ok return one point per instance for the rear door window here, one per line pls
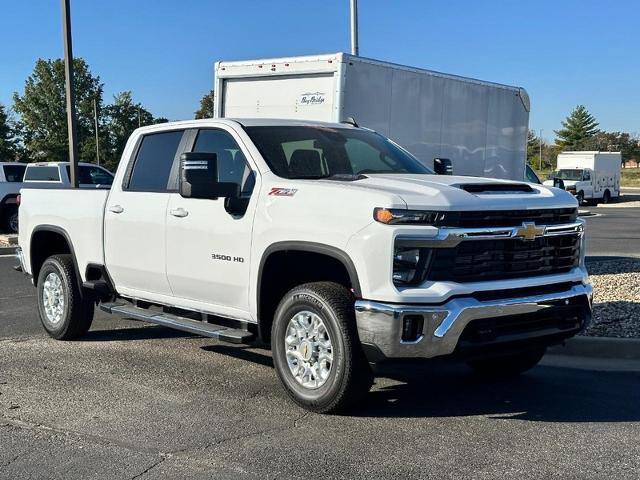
(42, 174)
(92, 175)
(154, 160)
(14, 173)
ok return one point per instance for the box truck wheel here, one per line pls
(580, 197)
(316, 351)
(507, 365)
(606, 197)
(64, 312)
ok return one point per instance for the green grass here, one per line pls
(630, 177)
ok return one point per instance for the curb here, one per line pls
(599, 347)
(7, 250)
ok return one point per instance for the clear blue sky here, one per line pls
(564, 52)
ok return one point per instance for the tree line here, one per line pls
(36, 127)
(580, 132)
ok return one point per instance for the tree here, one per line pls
(42, 109)
(9, 148)
(616, 142)
(206, 109)
(122, 117)
(577, 129)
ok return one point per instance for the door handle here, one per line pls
(116, 209)
(179, 212)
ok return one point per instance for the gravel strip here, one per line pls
(616, 302)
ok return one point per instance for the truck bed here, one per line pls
(76, 213)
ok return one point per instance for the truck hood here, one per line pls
(447, 192)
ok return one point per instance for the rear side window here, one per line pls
(42, 174)
(154, 160)
(14, 173)
(92, 175)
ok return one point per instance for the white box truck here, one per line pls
(480, 126)
(590, 176)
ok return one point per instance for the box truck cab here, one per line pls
(481, 127)
(590, 176)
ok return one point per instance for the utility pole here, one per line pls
(71, 100)
(95, 122)
(139, 119)
(540, 139)
(354, 28)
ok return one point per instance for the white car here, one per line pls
(11, 174)
(329, 242)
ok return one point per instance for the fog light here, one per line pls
(412, 327)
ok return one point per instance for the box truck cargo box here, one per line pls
(480, 126)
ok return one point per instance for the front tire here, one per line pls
(316, 350)
(65, 313)
(507, 365)
(580, 198)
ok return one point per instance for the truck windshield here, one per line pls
(322, 152)
(569, 174)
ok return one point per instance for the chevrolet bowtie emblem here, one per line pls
(529, 231)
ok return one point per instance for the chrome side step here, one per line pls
(226, 334)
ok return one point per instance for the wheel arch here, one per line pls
(335, 262)
(47, 240)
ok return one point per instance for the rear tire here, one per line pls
(316, 350)
(606, 197)
(65, 313)
(507, 365)
(11, 220)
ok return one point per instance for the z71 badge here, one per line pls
(283, 192)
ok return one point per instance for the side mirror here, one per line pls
(442, 166)
(199, 177)
(558, 183)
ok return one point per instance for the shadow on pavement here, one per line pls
(444, 388)
(134, 333)
(545, 394)
(612, 264)
(247, 353)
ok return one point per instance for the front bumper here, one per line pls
(514, 319)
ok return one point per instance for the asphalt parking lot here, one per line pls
(613, 231)
(138, 401)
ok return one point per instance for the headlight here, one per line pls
(395, 216)
(410, 264)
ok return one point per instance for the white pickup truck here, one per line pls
(328, 241)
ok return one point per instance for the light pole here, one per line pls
(354, 28)
(95, 122)
(71, 100)
(540, 139)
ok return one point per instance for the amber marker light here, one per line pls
(382, 215)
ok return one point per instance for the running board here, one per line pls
(226, 334)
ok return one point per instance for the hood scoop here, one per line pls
(496, 188)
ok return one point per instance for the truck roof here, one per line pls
(324, 62)
(247, 122)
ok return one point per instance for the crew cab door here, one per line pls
(209, 248)
(136, 217)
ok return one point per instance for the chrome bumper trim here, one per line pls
(380, 324)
